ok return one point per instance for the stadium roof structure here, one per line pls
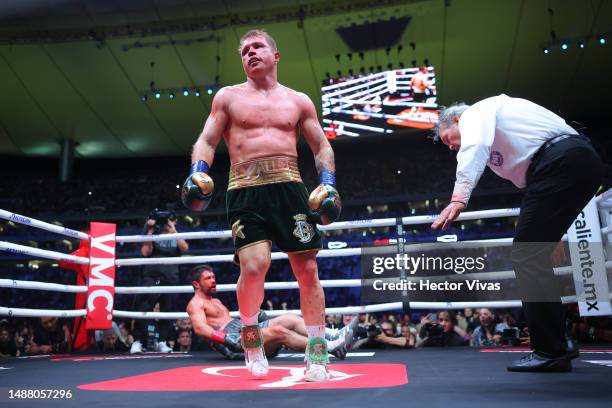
(78, 69)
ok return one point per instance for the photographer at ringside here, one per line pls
(441, 330)
(383, 335)
(148, 333)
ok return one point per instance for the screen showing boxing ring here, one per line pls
(383, 102)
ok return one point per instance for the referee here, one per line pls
(559, 171)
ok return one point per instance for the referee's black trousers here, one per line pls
(560, 182)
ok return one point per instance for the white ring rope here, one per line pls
(382, 307)
(178, 235)
(41, 253)
(31, 222)
(325, 253)
(35, 285)
(373, 223)
(230, 287)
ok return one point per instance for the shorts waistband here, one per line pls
(267, 170)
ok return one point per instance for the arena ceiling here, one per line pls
(76, 69)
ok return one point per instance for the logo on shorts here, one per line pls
(303, 229)
(496, 159)
(237, 231)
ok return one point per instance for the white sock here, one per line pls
(315, 331)
(249, 320)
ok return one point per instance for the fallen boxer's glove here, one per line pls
(227, 353)
(229, 340)
(198, 188)
(324, 201)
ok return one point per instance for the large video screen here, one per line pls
(383, 102)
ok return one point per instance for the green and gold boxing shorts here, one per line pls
(267, 201)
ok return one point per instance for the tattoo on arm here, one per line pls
(324, 157)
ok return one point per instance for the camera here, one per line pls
(161, 218)
(510, 337)
(434, 333)
(373, 330)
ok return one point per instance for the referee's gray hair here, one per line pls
(445, 119)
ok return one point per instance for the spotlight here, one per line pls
(351, 71)
(185, 92)
(581, 44)
(197, 92)
(209, 91)
(362, 70)
(371, 68)
(361, 55)
(400, 48)
(338, 57)
(339, 73)
(602, 40)
(401, 64)
(144, 98)
(546, 51)
(564, 46)
(350, 56)
(388, 50)
(171, 95)
(426, 62)
(157, 94)
(413, 63)
(327, 75)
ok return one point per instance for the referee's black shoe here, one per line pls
(536, 362)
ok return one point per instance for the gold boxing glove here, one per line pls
(325, 204)
(198, 189)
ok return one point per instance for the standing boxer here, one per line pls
(266, 199)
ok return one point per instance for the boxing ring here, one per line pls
(363, 379)
(377, 103)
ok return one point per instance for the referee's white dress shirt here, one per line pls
(503, 133)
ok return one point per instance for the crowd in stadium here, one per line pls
(387, 182)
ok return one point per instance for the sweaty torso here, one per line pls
(217, 315)
(261, 124)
